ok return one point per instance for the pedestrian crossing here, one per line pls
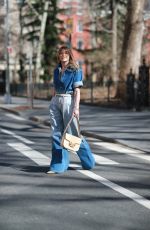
(123, 149)
(17, 136)
(42, 160)
(39, 158)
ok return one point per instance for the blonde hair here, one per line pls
(72, 62)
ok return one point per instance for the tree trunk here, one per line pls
(132, 44)
(41, 40)
(114, 42)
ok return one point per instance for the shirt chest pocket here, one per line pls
(67, 79)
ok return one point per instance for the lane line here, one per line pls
(16, 136)
(15, 117)
(126, 192)
(122, 149)
(42, 160)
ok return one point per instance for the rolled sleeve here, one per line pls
(78, 79)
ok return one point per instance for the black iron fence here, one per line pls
(137, 89)
(40, 90)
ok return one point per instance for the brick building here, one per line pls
(76, 15)
(76, 18)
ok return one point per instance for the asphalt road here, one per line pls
(113, 196)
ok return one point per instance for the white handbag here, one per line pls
(70, 141)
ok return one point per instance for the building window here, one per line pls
(79, 10)
(79, 26)
(80, 45)
(80, 63)
(69, 25)
(68, 42)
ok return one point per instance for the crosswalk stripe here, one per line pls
(99, 159)
(122, 149)
(17, 136)
(42, 160)
(34, 155)
(104, 161)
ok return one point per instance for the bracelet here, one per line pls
(76, 108)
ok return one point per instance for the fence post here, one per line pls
(108, 83)
(144, 80)
(130, 90)
(30, 81)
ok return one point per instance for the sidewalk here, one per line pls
(113, 125)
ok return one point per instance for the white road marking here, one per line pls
(42, 160)
(99, 159)
(126, 192)
(102, 160)
(123, 149)
(34, 155)
(15, 117)
(16, 136)
(116, 147)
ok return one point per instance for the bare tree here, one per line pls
(132, 43)
(114, 41)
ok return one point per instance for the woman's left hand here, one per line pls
(76, 112)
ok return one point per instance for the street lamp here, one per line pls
(7, 96)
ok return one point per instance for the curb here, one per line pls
(87, 134)
(83, 132)
(36, 118)
(10, 110)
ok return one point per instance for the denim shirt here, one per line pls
(70, 79)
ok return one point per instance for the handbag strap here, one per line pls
(78, 126)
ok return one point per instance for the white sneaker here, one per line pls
(51, 172)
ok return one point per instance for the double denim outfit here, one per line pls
(61, 109)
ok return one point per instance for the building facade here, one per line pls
(10, 39)
(76, 17)
(75, 14)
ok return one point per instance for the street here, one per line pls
(115, 195)
(91, 60)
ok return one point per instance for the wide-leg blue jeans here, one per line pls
(61, 108)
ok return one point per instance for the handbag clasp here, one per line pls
(71, 144)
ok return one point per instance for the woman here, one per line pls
(65, 103)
